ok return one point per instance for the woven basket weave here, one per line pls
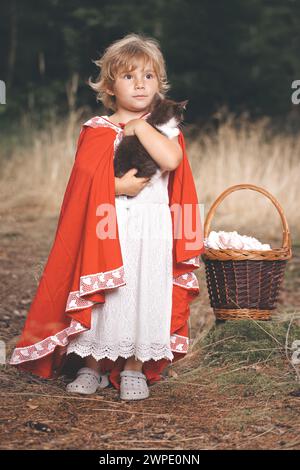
(245, 283)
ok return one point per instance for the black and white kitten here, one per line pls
(165, 115)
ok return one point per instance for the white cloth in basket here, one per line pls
(233, 240)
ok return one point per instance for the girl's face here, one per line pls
(135, 90)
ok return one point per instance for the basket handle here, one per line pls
(286, 238)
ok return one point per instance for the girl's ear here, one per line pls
(109, 91)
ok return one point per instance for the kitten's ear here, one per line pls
(183, 104)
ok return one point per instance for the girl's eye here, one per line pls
(130, 76)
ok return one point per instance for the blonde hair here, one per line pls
(120, 56)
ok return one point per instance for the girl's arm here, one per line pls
(118, 186)
(129, 184)
(166, 152)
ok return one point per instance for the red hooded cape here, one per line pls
(81, 266)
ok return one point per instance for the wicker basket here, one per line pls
(245, 283)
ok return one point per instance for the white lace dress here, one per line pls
(135, 319)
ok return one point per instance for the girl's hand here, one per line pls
(130, 185)
(129, 128)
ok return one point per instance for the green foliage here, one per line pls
(247, 342)
(240, 54)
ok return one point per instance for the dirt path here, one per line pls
(190, 411)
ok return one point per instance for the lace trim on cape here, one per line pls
(46, 346)
(111, 279)
(94, 283)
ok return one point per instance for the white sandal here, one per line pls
(133, 385)
(88, 381)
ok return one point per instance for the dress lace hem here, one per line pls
(112, 352)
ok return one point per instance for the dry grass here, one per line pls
(240, 151)
(38, 169)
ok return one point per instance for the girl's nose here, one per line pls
(139, 84)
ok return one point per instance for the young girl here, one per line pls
(127, 296)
